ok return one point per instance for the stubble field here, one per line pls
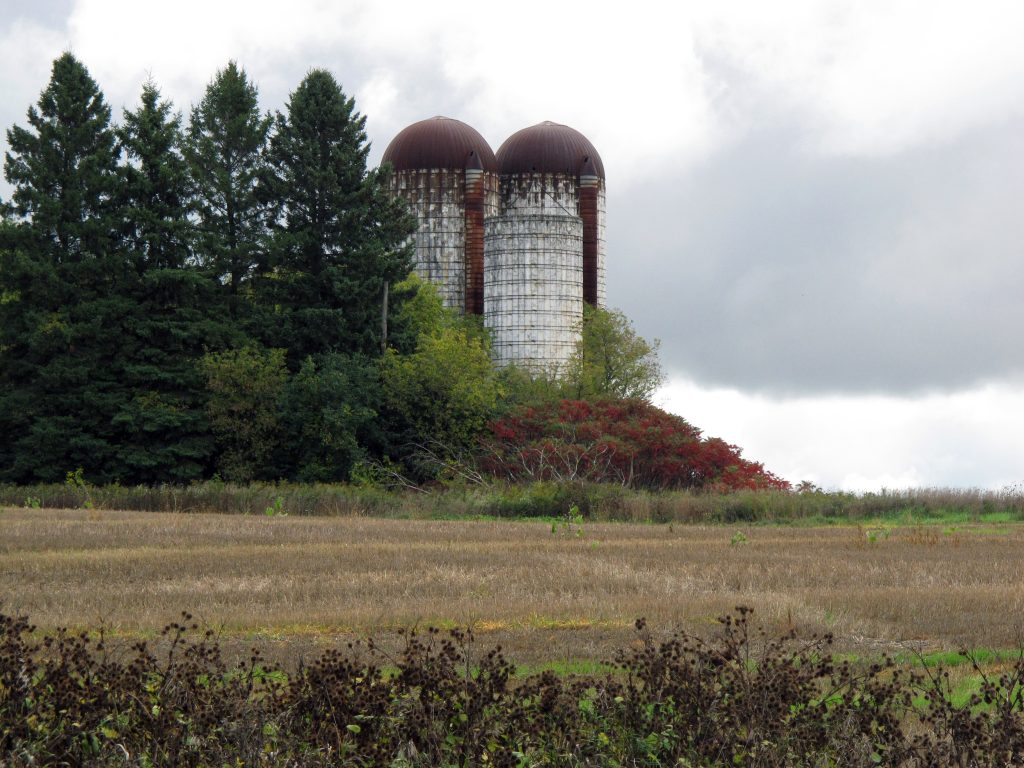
(294, 585)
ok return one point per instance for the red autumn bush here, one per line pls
(629, 442)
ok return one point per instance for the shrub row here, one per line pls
(598, 501)
(738, 699)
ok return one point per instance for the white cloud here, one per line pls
(182, 44)
(27, 51)
(878, 77)
(630, 80)
(970, 438)
(645, 81)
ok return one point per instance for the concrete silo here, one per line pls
(544, 251)
(448, 175)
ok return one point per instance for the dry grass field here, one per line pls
(295, 584)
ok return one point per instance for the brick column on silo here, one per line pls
(474, 229)
(589, 188)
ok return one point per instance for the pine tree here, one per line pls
(164, 434)
(225, 148)
(156, 187)
(338, 238)
(64, 283)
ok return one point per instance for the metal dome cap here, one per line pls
(440, 143)
(549, 148)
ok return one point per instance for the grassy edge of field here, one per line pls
(546, 501)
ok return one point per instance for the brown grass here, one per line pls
(294, 584)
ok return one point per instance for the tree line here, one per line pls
(229, 294)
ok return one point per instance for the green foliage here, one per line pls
(523, 387)
(337, 234)
(75, 482)
(611, 360)
(65, 318)
(155, 186)
(225, 149)
(235, 296)
(445, 392)
(328, 418)
(418, 311)
(116, 279)
(873, 534)
(62, 168)
(177, 310)
(365, 496)
(245, 388)
(276, 509)
(571, 524)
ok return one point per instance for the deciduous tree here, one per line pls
(329, 418)
(245, 390)
(444, 393)
(611, 360)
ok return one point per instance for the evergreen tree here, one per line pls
(225, 149)
(156, 187)
(338, 238)
(164, 432)
(64, 283)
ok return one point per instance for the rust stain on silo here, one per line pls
(474, 213)
(439, 142)
(548, 148)
(588, 212)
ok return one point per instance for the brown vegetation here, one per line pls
(740, 699)
(545, 592)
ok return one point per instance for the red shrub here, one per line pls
(629, 442)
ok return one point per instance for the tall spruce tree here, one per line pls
(338, 236)
(156, 188)
(225, 147)
(65, 285)
(164, 434)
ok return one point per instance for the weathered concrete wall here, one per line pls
(557, 194)
(539, 194)
(533, 287)
(438, 200)
(601, 289)
(532, 255)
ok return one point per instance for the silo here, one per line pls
(544, 253)
(447, 174)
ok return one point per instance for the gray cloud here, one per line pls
(49, 13)
(768, 265)
(773, 267)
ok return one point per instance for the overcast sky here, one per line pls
(818, 207)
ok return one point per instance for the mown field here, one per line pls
(549, 593)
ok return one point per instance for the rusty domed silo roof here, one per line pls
(439, 142)
(549, 148)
